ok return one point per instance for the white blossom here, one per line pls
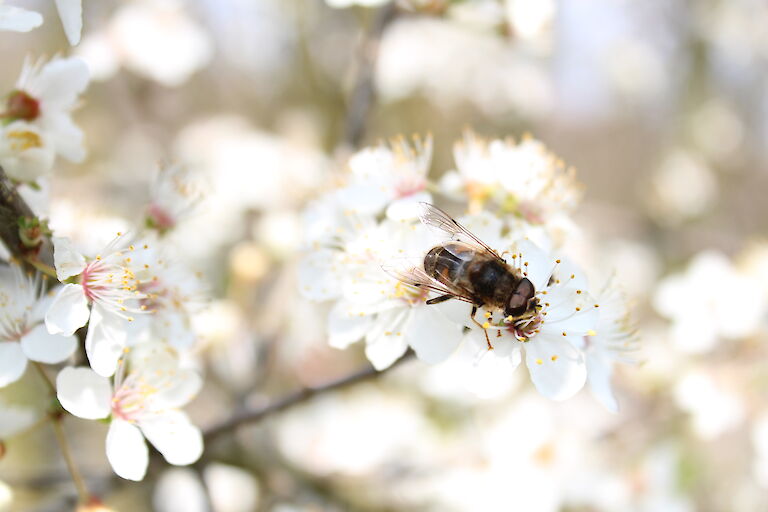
(105, 295)
(46, 94)
(144, 402)
(23, 336)
(550, 340)
(176, 192)
(25, 152)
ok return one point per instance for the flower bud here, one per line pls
(21, 105)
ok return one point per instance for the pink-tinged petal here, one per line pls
(39, 345)
(105, 341)
(84, 393)
(67, 260)
(126, 450)
(599, 370)
(346, 325)
(431, 335)
(174, 436)
(557, 369)
(68, 312)
(385, 342)
(13, 362)
(18, 19)
(71, 14)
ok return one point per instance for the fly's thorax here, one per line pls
(492, 281)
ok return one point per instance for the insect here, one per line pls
(465, 268)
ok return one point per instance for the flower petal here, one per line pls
(346, 325)
(68, 311)
(540, 263)
(174, 436)
(39, 345)
(84, 393)
(408, 207)
(557, 369)
(13, 362)
(385, 343)
(71, 14)
(67, 260)
(185, 386)
(105, 341)
(15, 418)
(431, 335)
(599, 370)
(18, 19)
(320, 275)
(126, 450)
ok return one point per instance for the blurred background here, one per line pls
(662, 107)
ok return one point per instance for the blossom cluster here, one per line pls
(131, 304)
(515, 197)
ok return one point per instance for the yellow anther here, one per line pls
(553, 358)
(591, 333)
(565, 334)
(486, 325)
(487, 314)
(557, 261)
(539, 361)
(578, 292)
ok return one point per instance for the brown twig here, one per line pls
(12, 208)
(295, 398)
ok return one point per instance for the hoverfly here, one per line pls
(465, 268)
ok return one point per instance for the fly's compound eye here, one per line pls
(520, 298)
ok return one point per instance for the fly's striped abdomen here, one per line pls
(447, 263)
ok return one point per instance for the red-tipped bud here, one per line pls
(21, 105)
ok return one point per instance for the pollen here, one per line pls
(591, 332)
(578, 292)
(486, 325)
(597, 305)
(578, 308)
(539, 361)
(557, 261)
(487, 314)
(553, 358)
(565, 333)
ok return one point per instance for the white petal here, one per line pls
(126, 450)
(39, 345)
(599, 370)
(319, 275)
(489, 373)
(71, 14)
(431, 335)
(540, 263)
(557, 369)
(346, 325)
(173, 435)
(408, 207)
(385, 342)
(14, 419)
(185, 386)
(84, 393)
(67, 260)
(59, 84)
(68, 311)
(18, 19)
(105, 341)
(572, 311)
(13, 362)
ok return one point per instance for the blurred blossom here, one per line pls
(635, 265)
(530, 19)
(451, 64)
(713, 408)
(355, 433)
(14, 419)
(6, 496)
(280, 232)
(171, 48)
(179, 489)
(340, 4)
(231, 489)
(717, 130)
(760, 444)
(682, 188)
(699, 303)
(176, 193)
(636, 70)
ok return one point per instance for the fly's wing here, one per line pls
(433, 216)
(415, 276)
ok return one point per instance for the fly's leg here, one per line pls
(485, 331)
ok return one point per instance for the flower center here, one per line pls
(21, 105)
(526, 328)
(130, 400)
(409, 185)
(22, 140)
(159, 218)
(112, 285)
(410, 294)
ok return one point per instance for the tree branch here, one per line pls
(296, 398)
(12, 208)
